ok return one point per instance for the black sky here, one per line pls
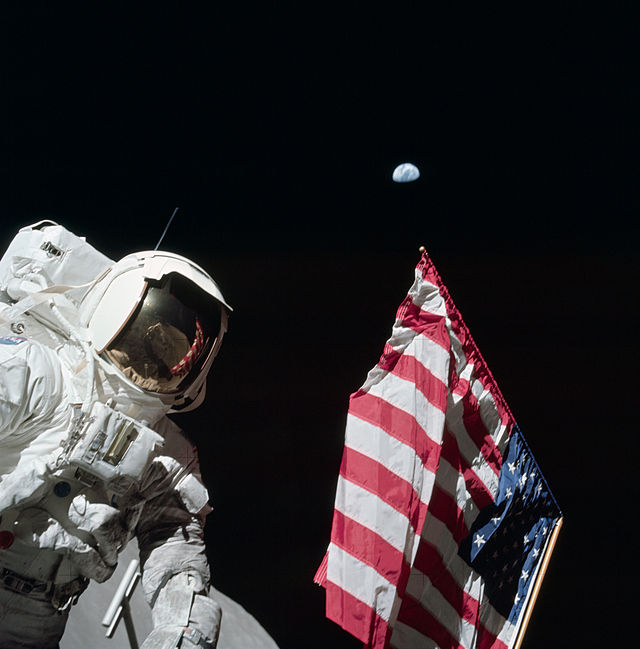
(275, 127)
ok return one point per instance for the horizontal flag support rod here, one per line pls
(119, 607)
(538, 584)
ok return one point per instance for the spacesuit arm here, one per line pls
(175, 570)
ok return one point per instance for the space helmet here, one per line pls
(159, 318)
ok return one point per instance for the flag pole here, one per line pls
(536, 587)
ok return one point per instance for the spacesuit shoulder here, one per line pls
(179, 457)
(31, 387)
(25, 361)
(176, 444)
(27, 368)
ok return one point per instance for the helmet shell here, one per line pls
(109, 307)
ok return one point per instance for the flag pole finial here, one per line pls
(421, 249)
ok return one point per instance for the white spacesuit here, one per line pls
(93, 354)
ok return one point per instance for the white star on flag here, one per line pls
(479, 540)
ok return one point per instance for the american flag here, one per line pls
(442, 517)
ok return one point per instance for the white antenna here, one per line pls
(166, 228)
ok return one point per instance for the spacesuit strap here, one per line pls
(196, 639)
(179, 607)
(173, 637)
(62, 596)
(173, 603)
(32, 299)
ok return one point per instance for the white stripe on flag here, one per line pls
(436, 533)
(369, 510)
(491, 417)
(456, 349)
(399, 458)
(451, 481)
(469, 451)
(403, 394)
(363, 582)
(427, 296)
(402, 460)
(496, 624)
(406, 637)
(420, 587)
(424, 348)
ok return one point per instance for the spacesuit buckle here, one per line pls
(19, 584)
(195, 637)
(85, 478)
(13, 582)
(192, 634)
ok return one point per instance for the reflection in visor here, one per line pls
(167, 341)
(183, 367)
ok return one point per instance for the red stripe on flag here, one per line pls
(414, 615)
(488, 640)
(478, 432)
(424, 323)
(356, 617)
(389, 487)
(370, 548)
(444, 507)
(398, 424)
(478, 491)
(411, 369)
(461, 386)
(431, 325)
(399, 494)
(429, 562)
(320, 577)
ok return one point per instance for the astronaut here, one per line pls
(93, 355)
